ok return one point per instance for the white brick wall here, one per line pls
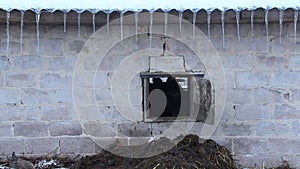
(261, 118)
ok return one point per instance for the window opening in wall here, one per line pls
(169, 97)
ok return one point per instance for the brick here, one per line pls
(32, 113)
(41, 146)
(62, 63)
(167, 63)
(296, 128)
(269, 63)
(10, 113)
(279, 48)
(74, 46)
(294, 63)
(31, 129)
(106, 64)
(6, 130)
(54, 113)
(252, 79)
(138, 141)
(13, 47)
(218, 44)
(52, 47)
(229, 112)
(295, 162)
(267, 128)
(289, 145)
(77, 145)
(194, 63)
(54, 80)
(295, 94)
(84, 96)
(99, 129)
(54, 96)
(1, 80)
(4, 63)
(9, 96)
(103, 79)
(244, 45)
(191, 127)
(24, 79)
(84, 79)
(109, 143)
(260, 161)
(285, 79)
(112, 115)
(227, 142)
(246, 146)
(286, 112)
(252, 112)
(179, 49)
(270, 95)
(169, 129)
(239, 95)
(58, 96)
(56, 31)
(10, 145)
(260, 44)
(127, 98)
(89, 113)
(273, 161)
(230, 79)
(134, 130)
(237, 62)
(245, 161)
(234, 129)
(27, 62)
(70, 128)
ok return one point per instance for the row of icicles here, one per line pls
(151, 23)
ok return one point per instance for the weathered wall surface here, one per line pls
(260, 122)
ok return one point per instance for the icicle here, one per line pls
(223, 27)
(180, 22)
(252, 23)
(21, 31)
(65, 22)
(121, 26)
(94, 25)
(150, 28)
(194, 23)
(166, 23)
(7, 32)
(136, 20)
(266, 23)
(280, 24)
(208, 24)
(295, 25)
(78, 23)
(37, 16)
(237, 16)
(107, 22)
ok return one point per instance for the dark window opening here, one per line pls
(176, 93)
(183, 96)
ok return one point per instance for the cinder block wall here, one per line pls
(260, 122)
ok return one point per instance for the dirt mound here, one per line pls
(188, 153)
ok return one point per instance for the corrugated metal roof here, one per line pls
(151, 5)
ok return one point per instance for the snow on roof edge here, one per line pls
(151, 5)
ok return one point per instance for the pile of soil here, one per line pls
(188, 153)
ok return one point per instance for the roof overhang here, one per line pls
(150, 5)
